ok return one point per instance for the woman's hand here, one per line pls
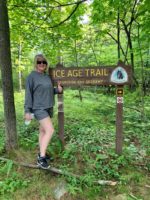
(28, 116)
(60, 88)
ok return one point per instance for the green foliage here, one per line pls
(90, 143)
(90, 124)
(10, 181)
(76, 43)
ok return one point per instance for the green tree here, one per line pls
(109, 15)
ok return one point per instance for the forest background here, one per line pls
(77, 33)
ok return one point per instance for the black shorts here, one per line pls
(40, 114)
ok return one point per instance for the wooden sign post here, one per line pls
(118, 75)
(119, 119)
(61, 118)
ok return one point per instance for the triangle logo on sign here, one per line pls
(119, 75)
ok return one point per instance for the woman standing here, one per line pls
(39, 99)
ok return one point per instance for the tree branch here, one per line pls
(43, 6)
(59, 171)
(52, 8)
(67, 17)
(51, 169)
(132, 14)
(119, 45)
(69, 4)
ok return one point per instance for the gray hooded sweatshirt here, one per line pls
(39, 93)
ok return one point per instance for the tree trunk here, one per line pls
(118, 34)
(128, 33)
(7, 82)
(142, 75)
(77, 64)
(19, 64)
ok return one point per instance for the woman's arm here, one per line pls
(28, 95)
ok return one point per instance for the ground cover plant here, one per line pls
(89, 150)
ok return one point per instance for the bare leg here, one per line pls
(46, 132)
(41, 134)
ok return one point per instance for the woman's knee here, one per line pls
(47, 125)
(49, 130)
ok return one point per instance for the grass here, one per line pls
(89, 150)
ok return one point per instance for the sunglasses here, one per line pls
(40, 62)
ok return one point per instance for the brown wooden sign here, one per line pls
(118, 75)
(103, 75)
